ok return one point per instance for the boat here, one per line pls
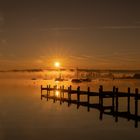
(60, 79)
(86, 80)
(79, 80)
(76, 80)
(33, 79)
(136, 76)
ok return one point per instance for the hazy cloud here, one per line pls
(81, 57)
(63, 29)
(89, 28)
(120, 27)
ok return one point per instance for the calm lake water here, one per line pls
(24, 116)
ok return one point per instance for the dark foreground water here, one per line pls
(24, 116)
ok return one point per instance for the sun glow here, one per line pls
(57, 64)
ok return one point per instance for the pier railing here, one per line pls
(113, 95)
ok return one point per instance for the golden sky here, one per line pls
(78, 33)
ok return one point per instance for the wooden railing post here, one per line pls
(101, 101)
(41, 89)
(88, 98)
(69, 95)
(113, 99)
(78, 96)
(136, 107)
(117, 104)
(63, 92)
(128, 103)
(54, 94)
(101, 96)
(47, 93)
(41, 92)
(60, 95)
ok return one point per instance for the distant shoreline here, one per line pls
(80, 70)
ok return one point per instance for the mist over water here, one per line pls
(25, 116)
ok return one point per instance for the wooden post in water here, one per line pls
(101, 101)
(54, 94)
(113, 99)
(49, 86)
(63, 93)
(100, 96)
(117, 104)
(47, 93)
(69, 95)
(88, 99)
(128, 103)
(78, 96)
(136, 107)
(70, 88)
(41, 92)
(60, 95)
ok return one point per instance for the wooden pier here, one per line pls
(65, 95)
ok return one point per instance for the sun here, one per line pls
(57, 64)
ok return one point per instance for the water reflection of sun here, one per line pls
(57, 93)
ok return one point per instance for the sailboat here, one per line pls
(76, 80)
(79, 80)
(87, 79)
(60, 79)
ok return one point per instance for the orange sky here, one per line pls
(78, 33)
